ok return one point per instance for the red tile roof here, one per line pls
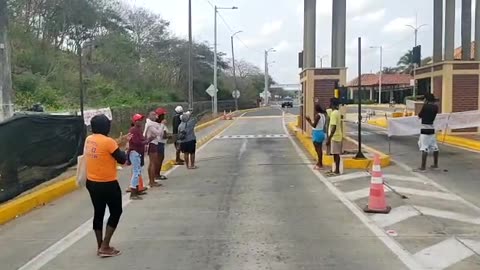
(387, 79)
(458, 52)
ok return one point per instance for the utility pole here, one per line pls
(215, 64)
(234, 73)
(215, 96)
(190, 57)
(6, 92)
(267, 77)
(416, 28)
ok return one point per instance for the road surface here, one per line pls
(254, 203)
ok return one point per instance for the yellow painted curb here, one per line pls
(348, 162)
(379, 122)
(25, 204)
(459, 141)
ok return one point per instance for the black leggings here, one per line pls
(105, 194)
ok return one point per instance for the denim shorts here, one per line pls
(161, 148)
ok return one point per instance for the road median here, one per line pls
(349, 162)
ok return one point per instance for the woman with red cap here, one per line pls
(136, 153)
(162, 140)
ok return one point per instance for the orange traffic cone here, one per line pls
(141, 187)
(224, 115)
(230, 117)
(377, 202)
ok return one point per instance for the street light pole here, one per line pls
(190, 60)
(267, 78)
(380, 74)
(360, 154)
(215, 63)
(321, 60)
(416, 28)
(234, 73)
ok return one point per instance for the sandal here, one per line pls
(108, 254)
(162, 177)
(318, 168)
(331, 174)
(155, 184)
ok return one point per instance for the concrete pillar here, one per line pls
(305, 28)
(310, 33)
(371, 93)
(437, 30)
(466, 29)
(339, 27)
(449, 29)
(477, 30)
(333, 62)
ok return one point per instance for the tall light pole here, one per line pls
(321, 60)
(265, 91)
(234, 73)
(381, 73)
(190, 60)
(416, 28)
(215, 68)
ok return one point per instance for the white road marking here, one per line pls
(443, 254)
(243, 148)
(395, 247)
(437, 185)
(348, 177)
(364, 192)
(402, 178)
(448, 215)
(397, 214)
(70, 239)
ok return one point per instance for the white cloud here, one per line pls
(359, 6)
(398, 25)
(370, 17)
(282, 46)
(271, 27)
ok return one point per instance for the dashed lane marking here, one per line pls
(259, 136)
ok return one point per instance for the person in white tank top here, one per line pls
(318, 133)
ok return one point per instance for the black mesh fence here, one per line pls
(35, 149)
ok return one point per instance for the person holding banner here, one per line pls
(428, 139)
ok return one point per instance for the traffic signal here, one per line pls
(417, 55)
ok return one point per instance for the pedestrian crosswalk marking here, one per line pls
(258, 136)
(443, 254)
(362, 193)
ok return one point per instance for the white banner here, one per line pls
(408, 126)
(89, 114)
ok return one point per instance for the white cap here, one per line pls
(179, 109)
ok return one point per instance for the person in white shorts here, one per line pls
(428, 139)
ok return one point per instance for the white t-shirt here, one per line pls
(162, 129)
(152, 129)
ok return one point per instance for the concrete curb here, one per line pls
(348, 163)
(447, 139)
(24, 204)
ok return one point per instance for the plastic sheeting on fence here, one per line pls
(35, 149)
(408, 126)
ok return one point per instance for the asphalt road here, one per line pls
(253, 203)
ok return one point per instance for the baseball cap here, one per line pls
(160, 111)
(179, 109)
(137, 117)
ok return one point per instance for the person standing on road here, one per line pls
(428, 139)
(318, 133)
(152, 129)
(327, 124)
(335, 136)
(162, 140)
(102, 155)
(175, 123)
(136, 153)
(188, 139)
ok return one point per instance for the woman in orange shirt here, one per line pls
(102, 155)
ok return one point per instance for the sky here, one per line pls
(279, 24)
